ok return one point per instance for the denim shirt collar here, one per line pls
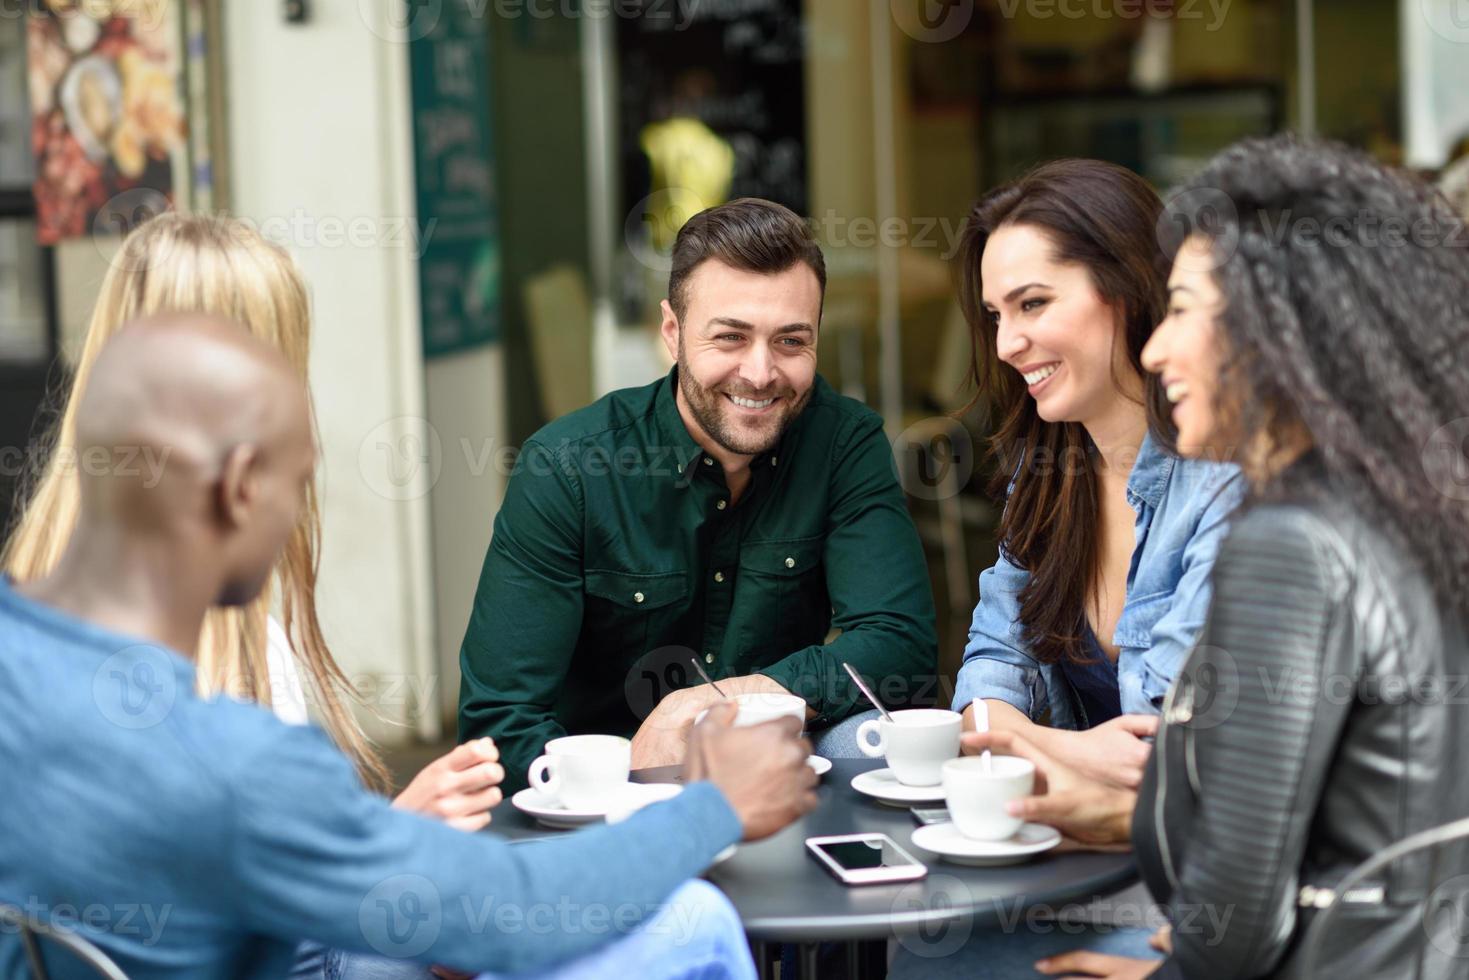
(1150, 473)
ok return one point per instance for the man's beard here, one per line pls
(708, 408)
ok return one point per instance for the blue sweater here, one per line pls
(189, 838)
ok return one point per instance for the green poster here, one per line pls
(459, 268)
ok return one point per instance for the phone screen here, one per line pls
(863, 855)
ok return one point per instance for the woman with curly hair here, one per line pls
(1318, 319)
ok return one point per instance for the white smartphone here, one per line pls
(865, 859)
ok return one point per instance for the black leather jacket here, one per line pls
(1322, 716)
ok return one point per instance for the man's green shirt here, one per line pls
(617, 557)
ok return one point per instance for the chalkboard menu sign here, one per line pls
(459, 265)
(736, 66)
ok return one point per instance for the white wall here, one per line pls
(319, 145)
(466, 396)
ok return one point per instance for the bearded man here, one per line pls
(738, 511)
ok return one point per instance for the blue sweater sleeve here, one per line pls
(317, 857)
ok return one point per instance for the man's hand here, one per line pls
(662, 738)
(1089, 811)
(760, 769)
(459, 788)
(1083, 964)
(1114, 752)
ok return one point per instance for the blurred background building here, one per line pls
(482, 194)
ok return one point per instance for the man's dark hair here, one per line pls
(749, 234)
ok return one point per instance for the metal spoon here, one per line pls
(707, 679)
(857, 679)
(982, 724)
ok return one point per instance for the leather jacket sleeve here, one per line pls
(1248, 722)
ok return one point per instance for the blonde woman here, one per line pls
(222, 266)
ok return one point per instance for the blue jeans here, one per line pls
(1002, 956)
(696, 936)
(840, 740)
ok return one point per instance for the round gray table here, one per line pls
(784, 896)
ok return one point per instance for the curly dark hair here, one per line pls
(1346, 313)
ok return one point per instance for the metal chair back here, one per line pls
(35, 935)
(1434, 840)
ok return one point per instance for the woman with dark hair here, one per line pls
(1107, 537)
(1318, 319)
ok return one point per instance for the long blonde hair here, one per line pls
(222, 266)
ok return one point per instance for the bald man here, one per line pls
(190, 838)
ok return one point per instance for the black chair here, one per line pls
(34, 933)
(1422, 843)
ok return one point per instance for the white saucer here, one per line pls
(945, 840)
(883, 786)
(821, 764)
(552, 814)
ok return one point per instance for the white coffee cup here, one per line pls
(977, 793)
(583, 772)
(916, 743)
(761, 706)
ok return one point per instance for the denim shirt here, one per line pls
(1182, 507)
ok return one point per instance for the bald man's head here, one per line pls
(190, 431)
